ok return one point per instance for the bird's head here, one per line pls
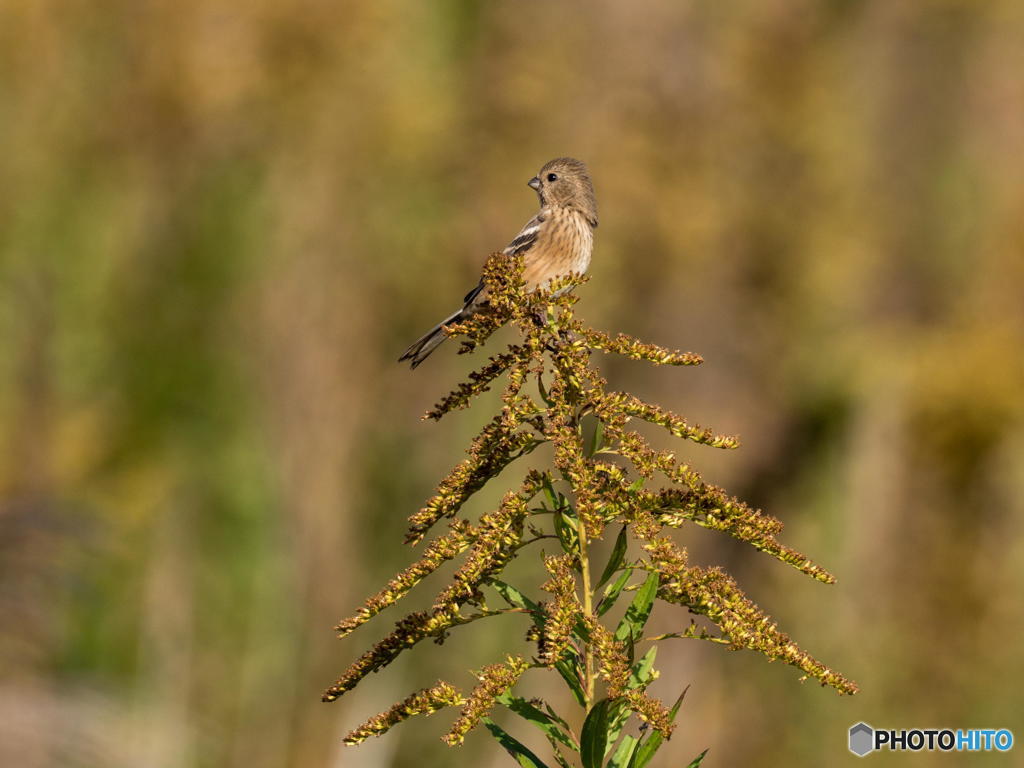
(565, 183)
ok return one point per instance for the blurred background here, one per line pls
(221, 222)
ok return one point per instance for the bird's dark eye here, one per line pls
(552, 177)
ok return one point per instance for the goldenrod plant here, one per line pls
(602, 484)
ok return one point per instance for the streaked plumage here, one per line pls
(555, 242)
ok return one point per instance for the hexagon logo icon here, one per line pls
(862, 739)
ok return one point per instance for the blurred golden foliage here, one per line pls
(220, 222)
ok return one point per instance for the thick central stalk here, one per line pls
(588, 610)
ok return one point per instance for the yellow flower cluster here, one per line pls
(710, 592)
(651, 711)
(495, 680)
(561, 613)
(495, 543)
(627, 346)
(424, 702)
(617, 407)
(613, 663)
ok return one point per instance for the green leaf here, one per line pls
(675, 707)
(549, 492)
(562, 762)
(640, 675)
(531, 714)
(558, 719)
(594, 736)
(697, 760)
(615, 559)
(624, 754)
(513, 596)
(567, 666)
(523, 756)
(611, 594)
(646, 751)
(597, 438)
(566, 533)
(632, 625)
(618, 715)
(543, 392)
(555, 716)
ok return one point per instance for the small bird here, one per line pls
(554, 243)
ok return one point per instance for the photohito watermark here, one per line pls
(864, 739)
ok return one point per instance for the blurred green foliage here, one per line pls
(220, 222)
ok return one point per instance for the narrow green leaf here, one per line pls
(567, 669)
(594, 735)
(632, 624)
(615, 559)
(611, 594)
(698, 759)
(645, 752)
(636, 756)
(597, 438)
(513, 596)
(675, 707)
(557, 718)
(523, 756)
(559, 758)
(640, 675)
(618, 715)
(566, 533)
(544, 393)
(549, 492)
(531, 714)
(624, 754)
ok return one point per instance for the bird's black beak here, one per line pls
(534, 182)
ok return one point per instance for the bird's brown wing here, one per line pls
(527, 236)
(520, 244)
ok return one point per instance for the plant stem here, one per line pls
(588, 609)
(572, 395)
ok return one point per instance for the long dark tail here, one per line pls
(420, 349)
